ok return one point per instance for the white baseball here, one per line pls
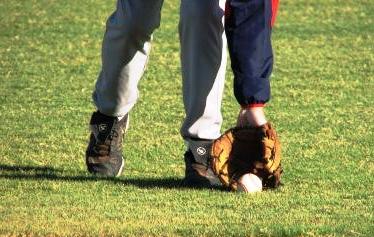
(249, 183)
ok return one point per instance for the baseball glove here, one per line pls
(242, 150)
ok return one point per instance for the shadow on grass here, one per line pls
(53, 174)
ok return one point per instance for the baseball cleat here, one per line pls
(104, 151)
(197, 160)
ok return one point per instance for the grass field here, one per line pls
(322, 105)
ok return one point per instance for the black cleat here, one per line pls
(198, 172)
(104, 151)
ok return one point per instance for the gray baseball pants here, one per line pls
(125, 51)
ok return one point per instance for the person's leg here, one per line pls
(125, 51)
(248, 29)
(203, 57)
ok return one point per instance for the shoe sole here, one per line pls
(127, 124)
(123, 160)
(121, 168)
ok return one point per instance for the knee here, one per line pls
(134, 23)
(143, 27)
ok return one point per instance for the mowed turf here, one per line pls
(322, 106)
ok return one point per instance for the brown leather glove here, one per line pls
(242, 150)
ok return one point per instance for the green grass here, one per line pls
(322, 105)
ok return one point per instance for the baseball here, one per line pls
(249, 183)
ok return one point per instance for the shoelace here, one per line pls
(103, 149)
